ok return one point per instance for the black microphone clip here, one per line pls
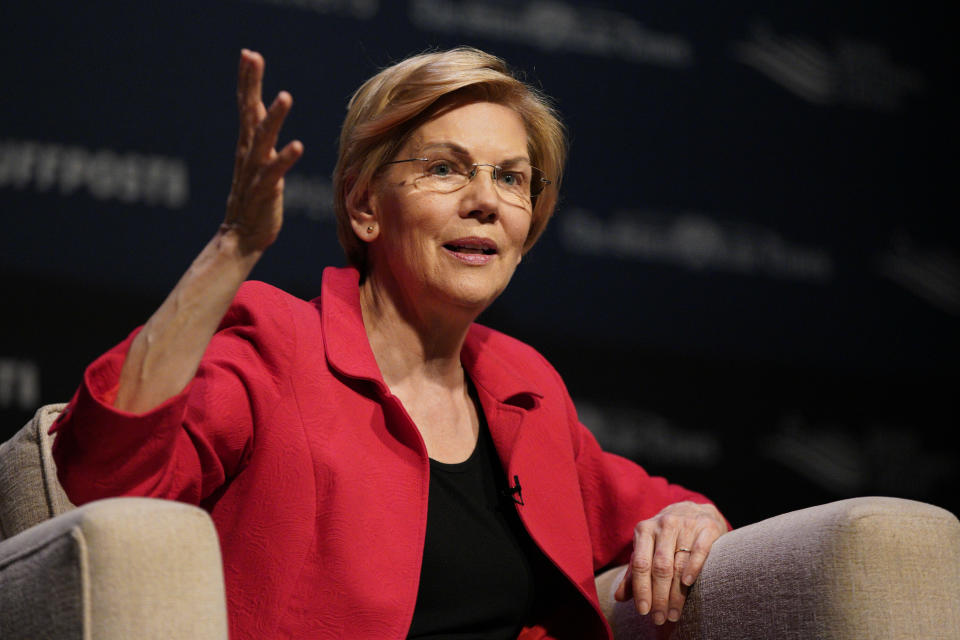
(515, 492)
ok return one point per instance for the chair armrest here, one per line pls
(116, 568)
(875, 567)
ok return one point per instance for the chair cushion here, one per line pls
(29, 490)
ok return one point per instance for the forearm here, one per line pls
(165, 355)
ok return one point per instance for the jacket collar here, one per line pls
(348, 349)
(490, 369)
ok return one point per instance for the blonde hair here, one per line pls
(389, 106)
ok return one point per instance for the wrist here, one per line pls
(231, 241)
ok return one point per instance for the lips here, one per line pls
(476, 246)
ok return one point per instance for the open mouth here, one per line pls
(462, 248)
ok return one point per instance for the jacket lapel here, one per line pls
(344, 337)
(505, 397)
(532, 441)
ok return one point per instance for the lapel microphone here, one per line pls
(514, 492)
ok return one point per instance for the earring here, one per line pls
(369, 230)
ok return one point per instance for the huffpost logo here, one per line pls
(105, 174)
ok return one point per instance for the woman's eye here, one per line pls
(512, 179)
(440, 169)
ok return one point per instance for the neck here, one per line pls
(411, 341)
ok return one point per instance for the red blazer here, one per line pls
(316, 478)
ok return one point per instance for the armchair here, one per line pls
(118, 568)
(872, 567)
(865, 568)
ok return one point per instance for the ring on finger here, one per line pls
(681, 550)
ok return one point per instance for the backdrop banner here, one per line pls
(751, 285)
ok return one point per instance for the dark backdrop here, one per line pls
(751, 284)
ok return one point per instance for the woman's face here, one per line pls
(458, 248)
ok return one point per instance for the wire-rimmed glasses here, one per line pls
(517, 183)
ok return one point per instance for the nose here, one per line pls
(481, 196)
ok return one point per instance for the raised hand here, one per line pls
(255, 203)
(165, 355)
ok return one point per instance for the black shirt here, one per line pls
(479, 568)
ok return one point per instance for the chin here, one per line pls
(474, 296)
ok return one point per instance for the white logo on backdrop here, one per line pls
(362, 9)
(848, 461)
(852, 73)
(555, 26)
(103, 173)
(309, 196)
(19, 384)
(933, 275)
(694, 241)
(644, 435)
(826, 454)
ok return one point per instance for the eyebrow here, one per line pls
(461, 151)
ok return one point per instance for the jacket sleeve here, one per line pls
(617, 494)
(190, 445)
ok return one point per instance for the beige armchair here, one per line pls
(113, 569)
(877, 568)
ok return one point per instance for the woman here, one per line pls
(376, 464)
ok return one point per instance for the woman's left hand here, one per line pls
(669, 550)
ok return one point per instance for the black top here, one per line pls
(479, 565)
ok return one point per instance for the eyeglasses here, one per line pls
(517, 184)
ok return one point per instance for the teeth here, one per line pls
(459, 248)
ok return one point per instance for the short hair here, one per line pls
(388, 107)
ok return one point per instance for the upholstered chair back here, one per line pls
(29, 490)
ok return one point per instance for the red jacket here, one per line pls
(316, 478)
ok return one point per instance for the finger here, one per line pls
(678, 590)
(245, 131)
(253, 163)
(662, 574)
(243, 78)
(266, 133)
(624, 588)
(263, 165)
(699, 551)
(249, 83)
(253, 65)
(268, 184)
(641, 564)
(249, 105)
(279, 166)
(678, 597)
(249, 101)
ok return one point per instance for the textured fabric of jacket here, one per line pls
(317, 479)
